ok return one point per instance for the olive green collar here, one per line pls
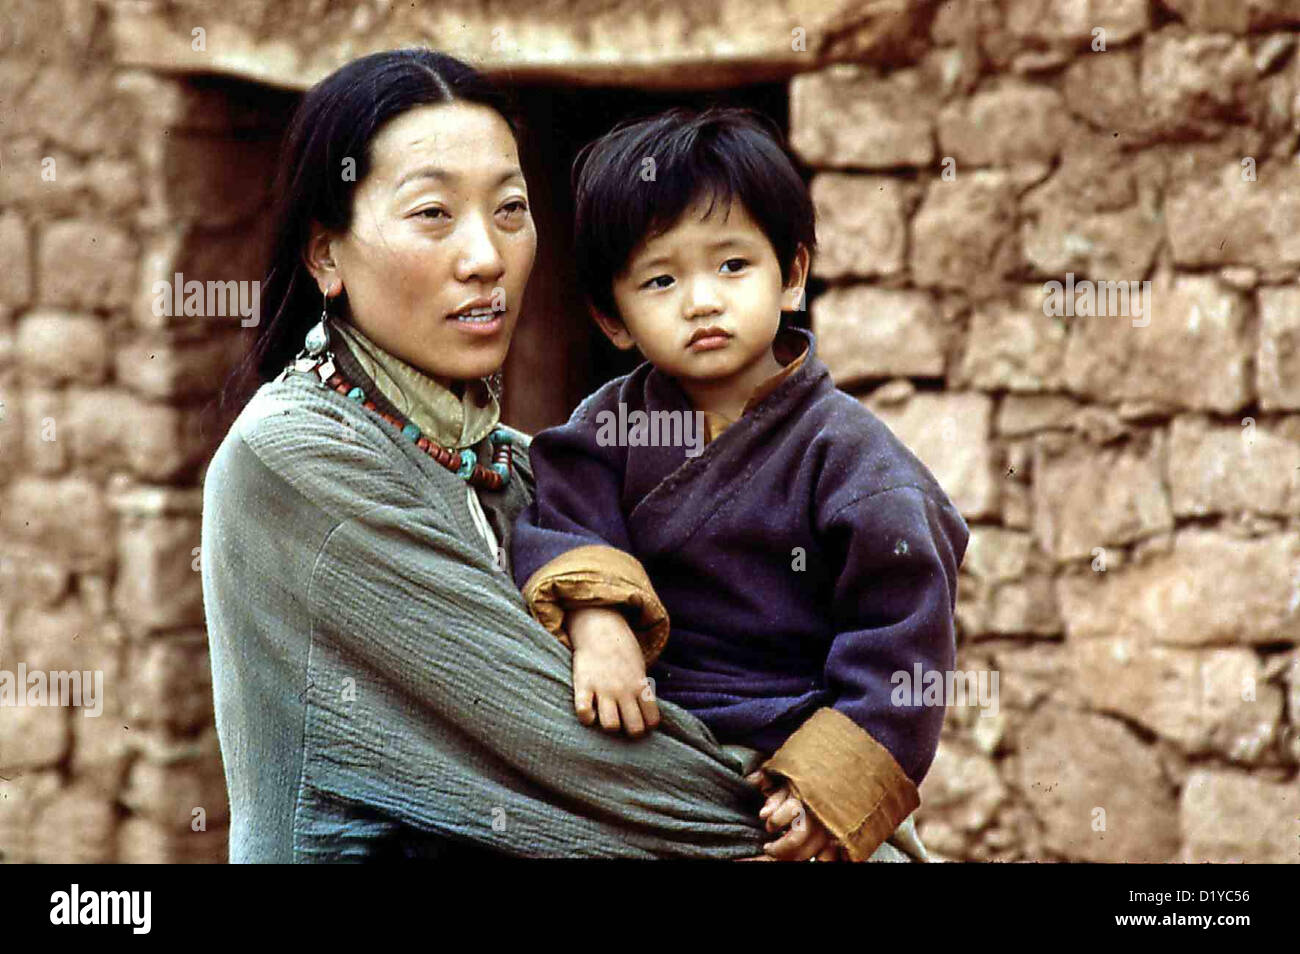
(454, 422)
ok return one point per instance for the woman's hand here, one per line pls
(608, 667)
(806, 838)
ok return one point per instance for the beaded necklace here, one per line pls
(317, 359)
(463, 463)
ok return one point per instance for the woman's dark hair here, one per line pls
(720, 154)
(337, 120)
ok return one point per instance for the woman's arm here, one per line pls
(438, 701)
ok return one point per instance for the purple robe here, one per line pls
(805, 557)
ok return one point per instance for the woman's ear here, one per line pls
(792, 298)
(318, 256)
(614, 329)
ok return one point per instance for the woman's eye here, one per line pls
(737, 263)
(433, 212)
(666, 280)
(515, 207)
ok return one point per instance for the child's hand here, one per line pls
(608, 666)
(805, 838)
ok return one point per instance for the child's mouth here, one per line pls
(708, 339)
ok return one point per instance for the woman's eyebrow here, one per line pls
(444, 175)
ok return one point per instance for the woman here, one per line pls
(379, 687)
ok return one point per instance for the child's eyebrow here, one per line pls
(730, 240)
(658, 260)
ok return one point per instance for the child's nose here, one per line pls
(702, 299)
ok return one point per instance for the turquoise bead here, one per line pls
(467, 461)
(504, 471)
(501, 437)
(358, 395)
(411, 431)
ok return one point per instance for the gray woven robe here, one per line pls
(380, 688)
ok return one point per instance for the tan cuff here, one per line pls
(848, 780)
(598, 576)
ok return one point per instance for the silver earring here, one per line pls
(318, 337)
(316, 344)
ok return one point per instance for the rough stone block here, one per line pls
(868, 332)
(1209, 588)
(116, 430)
(15, 252)
(861, 225)
(1024, 607)
(1229, 818)
(962, 234)
(1216, 16)
(996, 555)
(1021, 414)
(163, 369)
(1192, 83)
(1234, 468)
(962, 787)
(1277, 361)
(41, 412)
(1115, 246)
(31, 737)
(1080, 772)
(76, 826)
(60, 346)
(65, 515)
(143, 842)
(845, 117)
(1014, 121)
(172, 684)
(1086, 497)
(950, 435)
(1206, 701)
(86, 264)
(1102, 89)
(168, 794)
(157, 586)
(1229, 219)
(1193, 353)
(21, 797)
(1014, 345)
(1075, 20)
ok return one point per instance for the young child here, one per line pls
(803, 558)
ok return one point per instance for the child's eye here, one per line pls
(737, 263)
(666, 279)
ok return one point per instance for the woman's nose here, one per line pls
(479, 256)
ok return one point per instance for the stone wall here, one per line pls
(112, 179)
(1132, 481)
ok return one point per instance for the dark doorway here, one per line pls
(558, 355)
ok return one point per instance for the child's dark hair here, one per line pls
(722, 153)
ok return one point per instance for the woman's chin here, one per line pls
(468, 369)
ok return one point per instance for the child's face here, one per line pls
(703, 300)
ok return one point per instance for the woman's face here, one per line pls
(441, 242)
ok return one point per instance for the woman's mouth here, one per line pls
(479, 319)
